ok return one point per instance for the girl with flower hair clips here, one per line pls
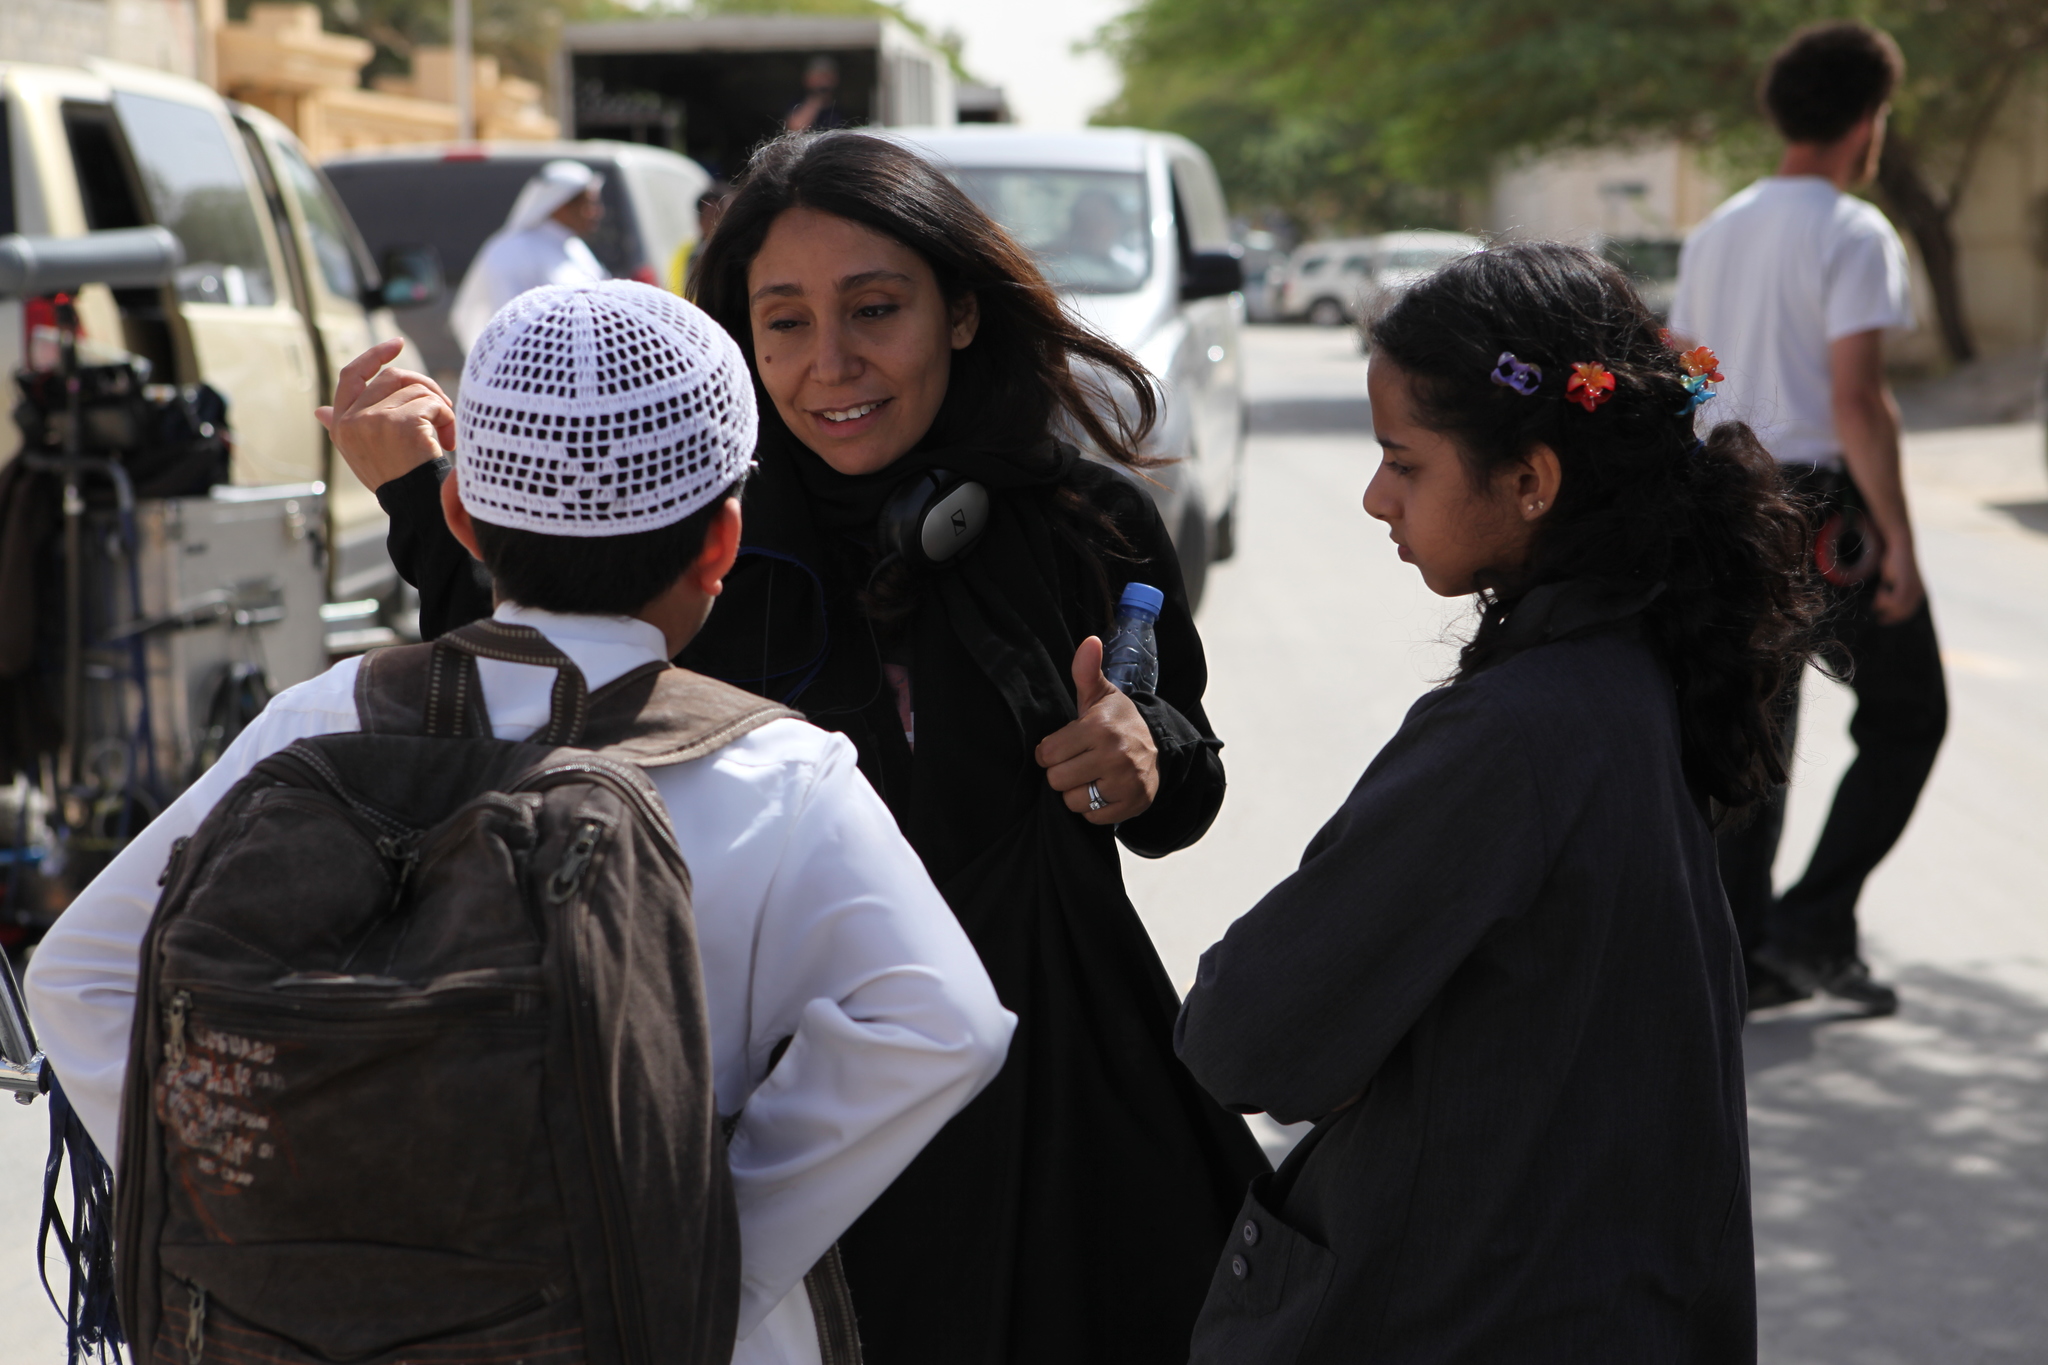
(1504, 982)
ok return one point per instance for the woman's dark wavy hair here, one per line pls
(1018, 374)
(1019, 377)
(1641, 501)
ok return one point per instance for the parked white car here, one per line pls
(1396, 260)
(1130, 225)
(1323, 280)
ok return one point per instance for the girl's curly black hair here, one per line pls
(1642, 499)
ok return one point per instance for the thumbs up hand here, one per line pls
(1110, 746)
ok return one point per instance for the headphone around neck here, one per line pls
(932, 516)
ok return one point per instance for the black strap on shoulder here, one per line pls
(452, 673)
(433, 689)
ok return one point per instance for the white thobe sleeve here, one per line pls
(483, 292)
(892, 1021)
(81, 981)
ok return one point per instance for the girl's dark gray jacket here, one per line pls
(1512, 939)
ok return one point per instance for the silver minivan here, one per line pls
(1131, 227)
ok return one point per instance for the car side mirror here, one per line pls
(412, 278)
(1212, 274)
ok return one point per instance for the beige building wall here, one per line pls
(163, 34)
(2002, 228)
(282, 61)
(1655, 190)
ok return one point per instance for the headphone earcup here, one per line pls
(933, 516)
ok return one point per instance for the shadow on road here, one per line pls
(1310, 416)
(1901, 1178)
(2032, 515)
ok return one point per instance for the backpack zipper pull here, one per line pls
(195, 1326)
(174, 1029)
(178, 847)
(405, 851)
(563, 883)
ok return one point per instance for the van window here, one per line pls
(1200, 199)
(101, 168)
(333, 241)
(1314, 265)
(1422, 257)
(1361, 264)
(198, 191)
(6, 174)
(1090, 230)
(452, 206)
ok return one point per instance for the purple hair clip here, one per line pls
(1518, 375)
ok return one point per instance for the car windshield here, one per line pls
(1088, 229)
(1655, 260)
(1420, 257)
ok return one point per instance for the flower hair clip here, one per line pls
(1702, 369)
(1591, 385)
(1519, 375)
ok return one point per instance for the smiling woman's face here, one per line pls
(853, 337)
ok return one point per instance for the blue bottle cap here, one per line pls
(1142, 597)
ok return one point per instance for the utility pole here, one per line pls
(465, 72)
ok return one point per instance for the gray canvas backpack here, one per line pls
(420, 1068)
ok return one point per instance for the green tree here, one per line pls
(1435, 94)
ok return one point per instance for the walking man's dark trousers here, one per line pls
(1901, 714)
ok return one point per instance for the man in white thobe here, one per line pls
(541, 243)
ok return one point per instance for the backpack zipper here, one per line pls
(567, 877)
(195, 1326)
(174, 1029)
(171, 864)
(597, 1128)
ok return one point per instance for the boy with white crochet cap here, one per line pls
(602, 433)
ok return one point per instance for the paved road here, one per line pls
(1901, 1185)
(1901, 1166)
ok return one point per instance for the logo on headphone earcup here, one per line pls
(1848, 548)
(933, 516)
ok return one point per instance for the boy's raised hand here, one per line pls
(387, 422)
(1110, 745)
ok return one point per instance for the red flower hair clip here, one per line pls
(1590, 385)
(1700, 361)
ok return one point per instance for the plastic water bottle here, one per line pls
(1130, 659)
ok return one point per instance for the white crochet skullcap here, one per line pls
(600, 410)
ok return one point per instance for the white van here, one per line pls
(277, 292)
(436, 203)
(1131, 227)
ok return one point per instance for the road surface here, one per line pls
(1901, 1166)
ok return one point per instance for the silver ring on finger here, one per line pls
(1095, 801)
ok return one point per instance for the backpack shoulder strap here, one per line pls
(655, 715)
(659, 714)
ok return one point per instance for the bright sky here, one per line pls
(1025, 46)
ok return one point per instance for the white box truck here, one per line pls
(714, 89)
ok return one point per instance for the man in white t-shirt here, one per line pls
(850, 1017)
(1793, 282)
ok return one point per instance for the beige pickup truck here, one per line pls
(277, 291)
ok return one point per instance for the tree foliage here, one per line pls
(1347, 108)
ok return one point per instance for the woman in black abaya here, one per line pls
(1074, 1212)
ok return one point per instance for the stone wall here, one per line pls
(153, 33)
